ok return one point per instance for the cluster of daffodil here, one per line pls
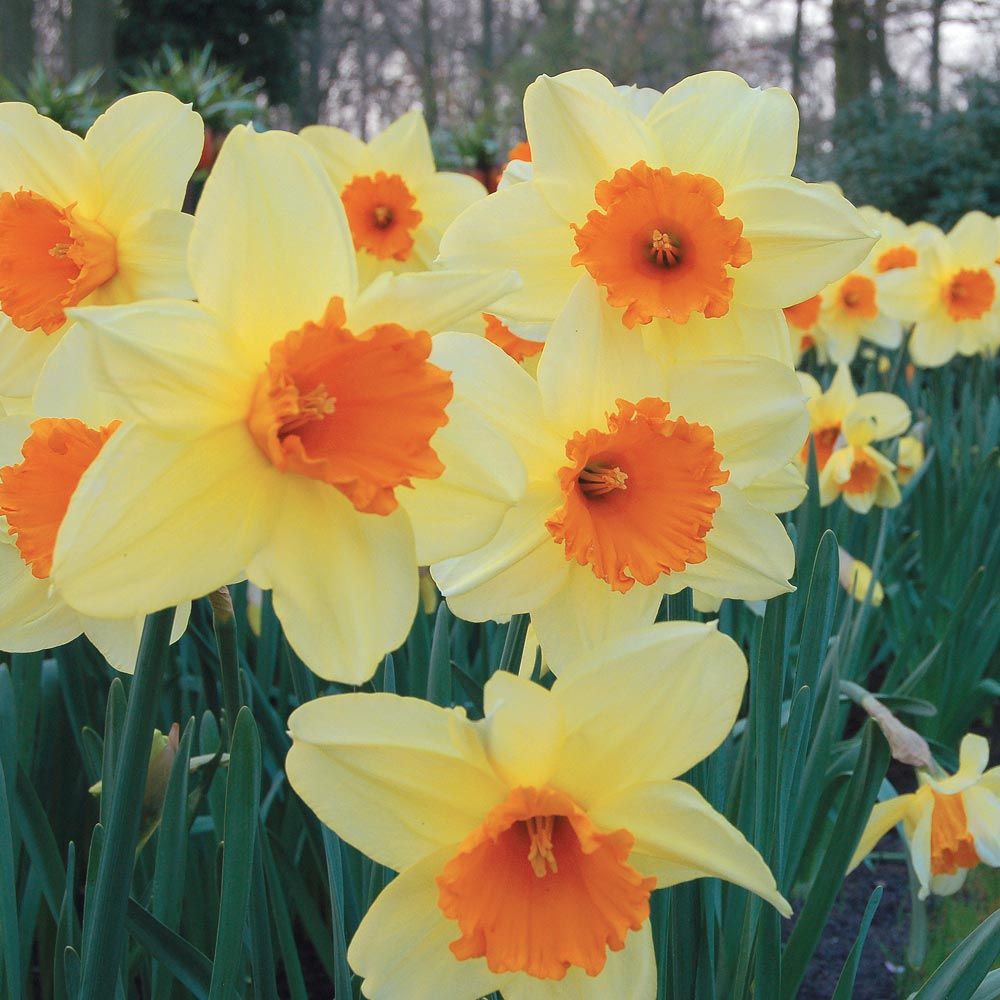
(333, 375)
(942, 285)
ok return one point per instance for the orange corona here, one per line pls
(659, 246)
(49, 260)
(857, 297)
(382, 215)
(952, 846)
(864, 473)
(803, 315)
(354, 411)
(518, 348)
(969, 294)
(639, 497)
(538, 888)
(35, 494)
(895, 258)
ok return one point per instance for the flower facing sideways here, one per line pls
(679, 206)
(398, 204)
(88, 221)
(528, 843)
(950, 823)
(643, 479)
(275, 428)
(42, 462)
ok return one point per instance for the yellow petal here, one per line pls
(343, 155)
(716, 124)
(117, 639)
(802, 236)
(32, 616)
(586, 613)
(516, 228)
(885, 815)
(404, 145)
(662, 698)
(982, 810)
(973, 240)
(523, 730)
(874, 417)
(679, 837)
(919, 842)
(934, 341)
(143, 528)
(146, 147)
(271, 243)
(401, 948)
(22, 357)
(396, 777)
(778, 491)
(345, 583)
(441, 198)
(41, 156)
(152, 256)
(753, 405)
(580, 134)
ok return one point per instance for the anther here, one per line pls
(540, 854)
(313, 405)
(59, 250)
(383, 216)
(664, 249)
(597, 479)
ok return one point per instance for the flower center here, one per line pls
(659, 245)
(518, 348)
(895, 258)
(639, 497)
(355, 411)
(857, 297)
(824, 441)
(969, 294)
(864, 474)
(382, 215)
(35, 493)
(49, 259)
(952, 846)
(537, 888)
(803, 315)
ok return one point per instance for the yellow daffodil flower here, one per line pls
(899, 244)
(528, 843)
(643, 479)
(52, 454)
(839, 415)
(909, 458)
(398, 204)
(680, 207)
(950, 295)
(275, 427)
(89, 221)
(856, 578)
(950, 824)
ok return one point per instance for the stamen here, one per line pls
(664, 249)
(598, 479)
(541, 856)
(60, 250)
(383, 216)
(313, 405)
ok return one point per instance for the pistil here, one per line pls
(664, 249)
(598, 479)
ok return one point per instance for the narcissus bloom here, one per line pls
(398, 204)
(898, 245)
(524, 350)
(950, 823)
(803, 325)
(855, 577)
(950, 295)
(41, 462)
(909, 458)
(681, 209)
(89, 221)
(643, 479)
(528, 843)
(274, 429)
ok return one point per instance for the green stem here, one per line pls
(224, 623)
(104, 935)
(513, 644)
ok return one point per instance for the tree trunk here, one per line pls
(851, 51)
(17, 38)
(487, 68)
(796, 57)
(428, 88)
(92, 38)
(934, 93)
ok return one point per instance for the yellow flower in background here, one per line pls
(856, 578)
(803, 325)
(89, 221)
(398, 204)
(950, 295)
(950, 824)
(899, 245)
(839, 416)
(528, 843)
(274, 429)
(643, 479)
(41, 462)
(680, 207)
(909, 458)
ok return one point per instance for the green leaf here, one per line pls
(190, 967)
(990, 988)
(439, 670)
(960, 975)
(10, 945)
(68, 931)
(239, 833)
(40, 843)
(845, 984)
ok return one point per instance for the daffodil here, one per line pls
(41, 461)
(950, 295)
(803, 325)
(950, 823)
(528, 843)
(88, 221)
(857, 579)
(643, 479)
(680, 207)
(275, 427)
(839, 416)
(909, 458)
(398, 204)
(510, 338)
(899, 245)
